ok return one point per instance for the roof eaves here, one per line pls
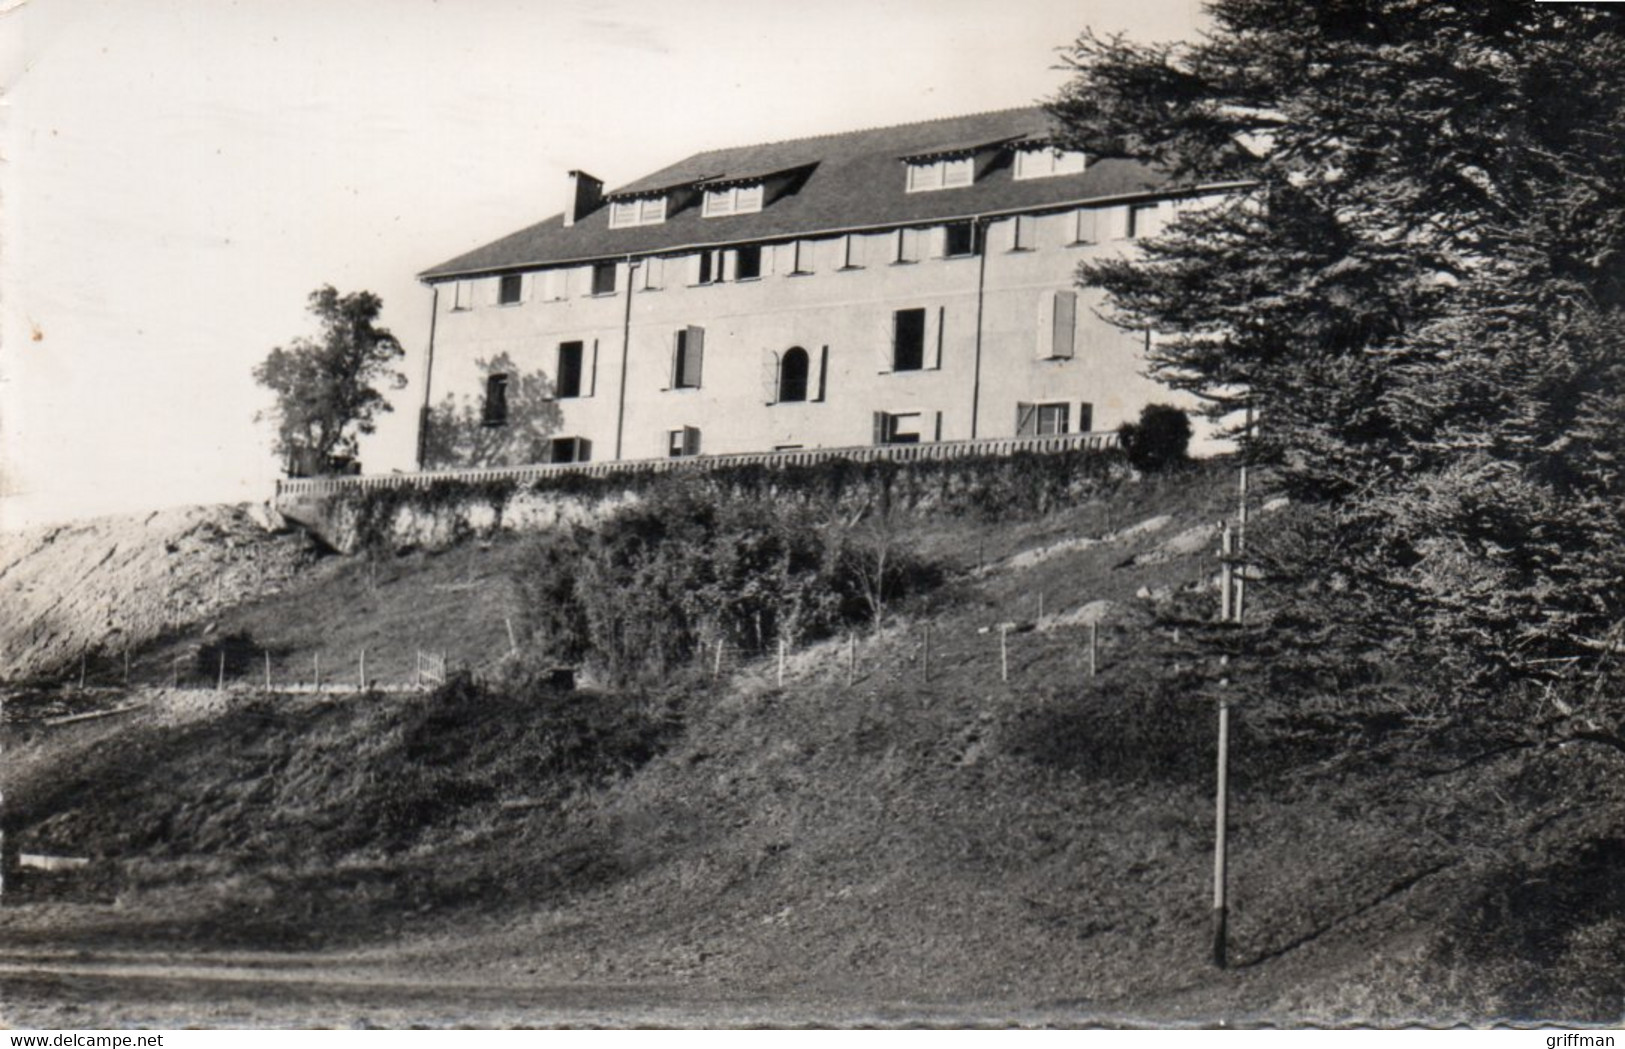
(430, 277)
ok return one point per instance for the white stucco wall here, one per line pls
(848, 310)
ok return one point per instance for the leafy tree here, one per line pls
(1159, 440)
(1419, 284)
(325, 387)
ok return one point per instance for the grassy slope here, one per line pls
(961, 838)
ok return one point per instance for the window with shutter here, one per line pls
(685, 441)
(803, 257)
(908, 340)
(569, 450)
(1144, 220)
(908, 246)
(1043, 163)
(793, 371)
(1052, 419)
(603, 278)
(509, 288)
(462, 295)
(748, 262)
(1085, 231)
(959, 238)
(1026, 419)
(1021, 234)
(851, 252)
(1117, 223)
(567, 377)
(495, 410)
(692, 348)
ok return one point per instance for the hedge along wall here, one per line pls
(445, 513)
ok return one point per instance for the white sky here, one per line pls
(176, 176)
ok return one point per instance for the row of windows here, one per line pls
(894, 427)
(790, 377)
(922, 176)
(805, 257)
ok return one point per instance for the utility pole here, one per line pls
(1241, 519)
(1221, 827)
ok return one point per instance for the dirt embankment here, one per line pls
(112, 583)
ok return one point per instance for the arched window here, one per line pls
(793, 375)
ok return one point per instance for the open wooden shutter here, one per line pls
(886, 342)
(933, 337)
(674, 372)
(691, 440)
(770, 377)
(1086, 417)
(880, 427)
(592, 373)
(823, 372)
(1064, 326)
(936, 427)
(693, 357)
(1026, 419)
(939, 242)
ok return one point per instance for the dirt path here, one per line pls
(159, 991)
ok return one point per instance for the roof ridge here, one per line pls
(866, 130)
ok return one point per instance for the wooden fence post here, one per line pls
(267, 670)
(1226, 572)
(513, 640)
(1004, 652)
(781, 662)
(220, 682)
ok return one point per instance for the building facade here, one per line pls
(902, 284)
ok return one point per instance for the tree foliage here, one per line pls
(1416, 279)
(326, 387)
(1161, 439)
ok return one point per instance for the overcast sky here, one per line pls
(178, 175)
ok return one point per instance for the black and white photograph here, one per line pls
(919, 515)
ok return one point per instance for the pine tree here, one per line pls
(1415, 277)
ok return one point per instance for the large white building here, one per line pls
(900, 284)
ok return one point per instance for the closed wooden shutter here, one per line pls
(880, 428)
(691, 440)
(933, 337)
(1026, 419)
(1064, 327)
(823, 372)
(693, 357)
(1087, 233)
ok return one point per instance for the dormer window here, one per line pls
(1045, 162)
(650, 211)
(945, 173)
(732, 200)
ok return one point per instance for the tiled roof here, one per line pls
(856, 181)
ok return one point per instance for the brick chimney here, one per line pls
(586, 193)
